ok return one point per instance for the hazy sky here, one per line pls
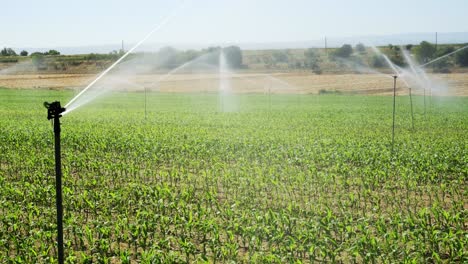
(53, 23)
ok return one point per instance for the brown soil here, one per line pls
(295, 82)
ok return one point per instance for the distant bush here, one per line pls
(323, 92)
(425, 52)
(344, 52)
(8, 60)
(313, 60)
(377, 61)
(47, 53)
(462, 58)
(297, 65)
(361, 48)
(233, 56)
(76, 63)
(38, 60)
(281, 56)
(52, 53)
(24, 53)
(37, 53)
(395, 55)
(186, 56)
(8, 52)
(444, 51)
(443, 65)
(167, 57)
(96, 57)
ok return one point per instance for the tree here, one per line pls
(312, 60)
(268, 61)
(37, 60)
(361, 48)
(211, 49)
(344, 52)
(212, 57)
(187, 56)
(8, 52)
(167, 57)
(113, 55)
(24, 53)
(462, 58)
(52, 52)
(396, 56)
(443, 65)
(378, 61)
(233, 56)
(36, 53)
(425, 52)
(281, 56)
(444, 51)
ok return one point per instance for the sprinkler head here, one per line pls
(54, 109)
(395, 76)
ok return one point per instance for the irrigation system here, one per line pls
(54, 112)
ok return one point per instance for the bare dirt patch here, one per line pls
(455, 84)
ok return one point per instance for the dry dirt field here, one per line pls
(455, 84)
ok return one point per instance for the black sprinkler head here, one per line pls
(54, 109)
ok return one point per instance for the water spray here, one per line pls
(70, 105)
(54, 111)
(424, 103)
(442, 57)
(167, 75)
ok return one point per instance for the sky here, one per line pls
(55, 23)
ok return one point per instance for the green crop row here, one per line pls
(290, 178)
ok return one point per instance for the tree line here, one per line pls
(312, 58)
(170, 58)
(166, 57)
(10, 52)
(423, 53)
(318, 59)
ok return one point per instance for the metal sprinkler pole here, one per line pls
(394, 98)
(424, 102)
(411, 104)
(54, 111)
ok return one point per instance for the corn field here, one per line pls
(285, 179)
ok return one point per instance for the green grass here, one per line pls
(286, 178)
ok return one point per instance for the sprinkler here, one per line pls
(424, 103)
(54, 111)
(411, 104)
